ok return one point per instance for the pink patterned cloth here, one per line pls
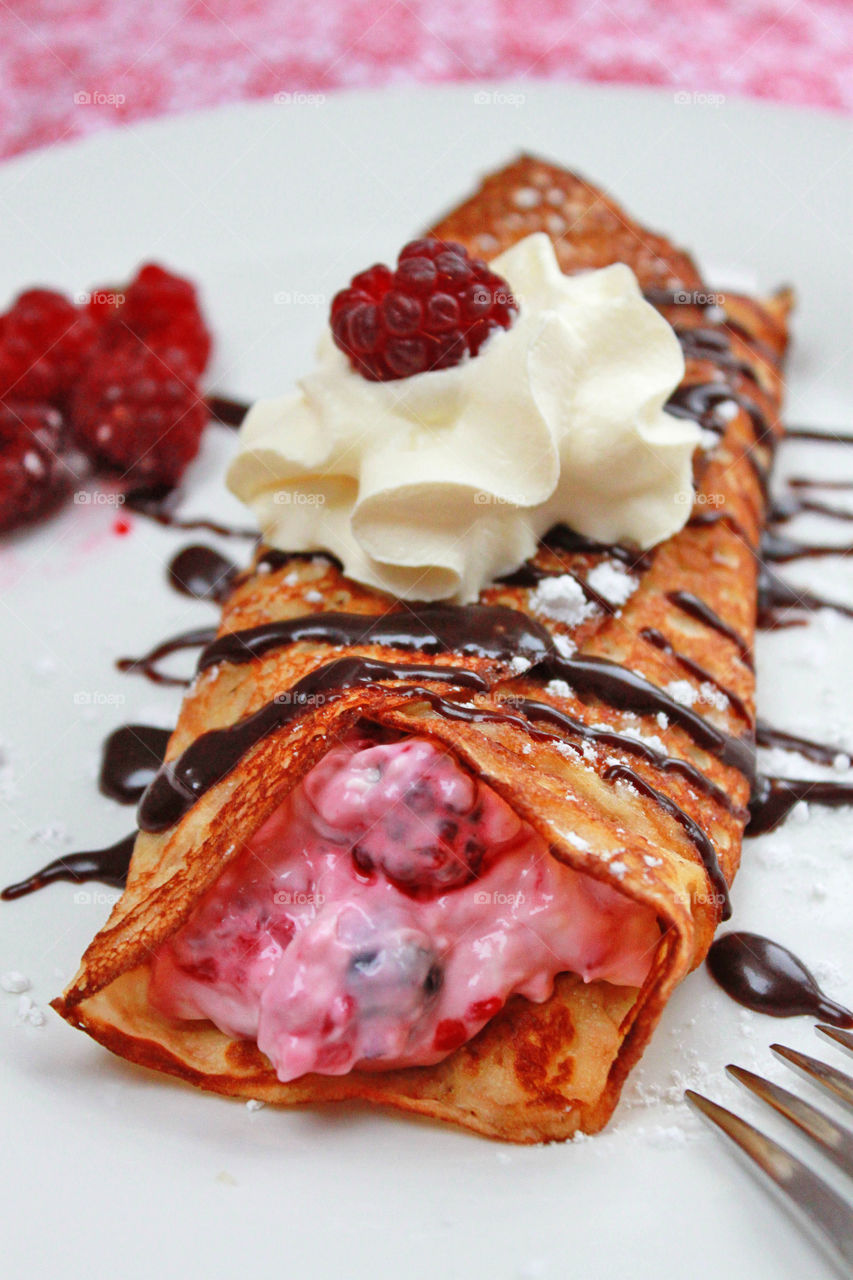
(71, 69)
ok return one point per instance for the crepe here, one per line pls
(618, 811)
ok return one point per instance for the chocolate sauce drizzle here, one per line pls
(109, 866)
(777, 548)
(130, 758)
(774, 798)
(202, 573)
(618, 686)
(562, 538)
(767, 977)
(707, 852)
(821, 752)
(583, 732)
(793, 504)
(148, 664)
(699, 402)
(158, 503)
(702, 612)
(486, 631)
(483, 631)
(776, 598)
(212, 756)
(230, 413)
(659, 640)
(529, 575)
(828, 435)
(271, 560)
(500, 633)
(702, 519)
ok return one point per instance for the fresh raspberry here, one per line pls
(159, 308)
(33, 472)
(138, 410)
(438, 306)
(44, 343)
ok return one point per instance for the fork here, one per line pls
(817, 1206)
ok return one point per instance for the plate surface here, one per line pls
(271, 207)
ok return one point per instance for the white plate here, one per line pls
(110, 1170)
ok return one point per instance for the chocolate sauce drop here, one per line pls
(131, 756)
(109, 866)
(147, 664)
(765, 976)
(202, 572)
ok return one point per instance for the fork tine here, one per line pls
(842, 1038)
(820, 1073)
(816, 1205)
(834, 1140)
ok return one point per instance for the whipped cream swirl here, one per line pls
(429, 487)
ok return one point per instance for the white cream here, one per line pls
(431, 486)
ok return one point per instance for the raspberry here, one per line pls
(44, 343)
(159, 308)
(33, 472)
(137, 410)
(438, 306)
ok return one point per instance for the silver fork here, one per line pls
(817, 1206)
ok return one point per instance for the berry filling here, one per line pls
(384, 913)
(436, 308)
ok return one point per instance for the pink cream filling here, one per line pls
(384, 913)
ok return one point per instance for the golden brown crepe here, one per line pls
(536, 1071)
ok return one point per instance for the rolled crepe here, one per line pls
(630, 758)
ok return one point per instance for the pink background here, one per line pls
(141, 58)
